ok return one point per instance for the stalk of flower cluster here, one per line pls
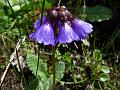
(53, 64)
(38, 44)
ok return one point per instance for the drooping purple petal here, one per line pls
(83, 29)
(43, 34)
(37, 23)
(66, 34)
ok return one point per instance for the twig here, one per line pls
(5, 72)
(59, 2)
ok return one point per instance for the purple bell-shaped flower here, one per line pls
(66, 34)
(44, 34)
(81, 28)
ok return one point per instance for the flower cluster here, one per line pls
(59, 26)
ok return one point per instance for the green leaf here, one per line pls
(32, 63)
(44, 82)
(47, 83)
(104, 77)
(105, 69)
(97, 13)
(2, 2)
(67, 58)
(60, 68)
(48, 3)
(17, 2)
(16, 7)
(33, 84)
(98, 68)
(37, 84)
(97, 55)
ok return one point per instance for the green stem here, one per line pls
(21, 70)
(53, 64)
(38, 60)
(39, 45)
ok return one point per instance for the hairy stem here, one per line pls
(53, 64)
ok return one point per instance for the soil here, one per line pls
(11, 81)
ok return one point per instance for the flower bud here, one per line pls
(69, 15)
(63, 8)
(52, 15)
(63, 16)
(57, 8)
